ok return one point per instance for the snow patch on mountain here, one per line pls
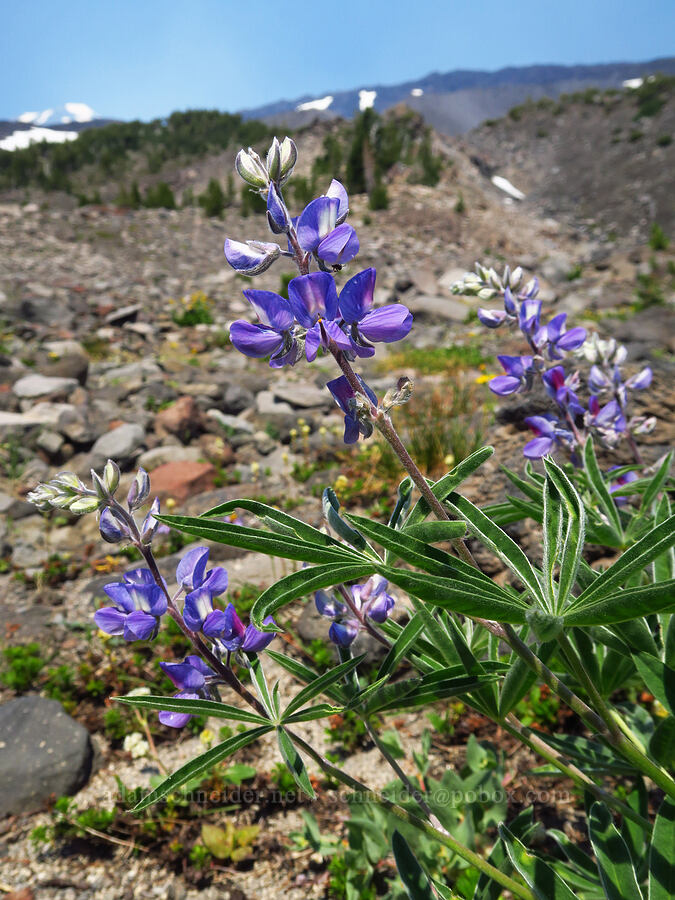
(366, 99)
(62, 115)
(321, 104)
(18, 140)
(416, 92)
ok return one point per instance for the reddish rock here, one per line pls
(181, 480)
(183, 418)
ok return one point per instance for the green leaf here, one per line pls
(401, 645)
(436, 532)
(520, 678)
(304, 531)
(521, 827)
(636, 558)
(498, 542)
(662, 854)
(201, 764)
(624, 605)
(659, 679)
(194, 707)
(573, 540)
(319, 711)
(662, 743)
(294, 763)
(303, 582)
(319, 685)
(614, 863)
(589, 755)
(257, 540)
(412, 692)
(448, 483)
(259, 680)
(456, 595)
(553, 526)
(413, 876)
(537, 874)
(599, 487)
(331, 511)
(655, 485)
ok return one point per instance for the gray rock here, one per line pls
(267, 405)
(32, 386)
(13, 508)
(433, 308)
(50, 442)
(119, 444)
(150, 459)
(304, 396)
(237, 398)
(124, 314)
(231, 424)
(43, 753)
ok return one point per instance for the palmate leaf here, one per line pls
(306, 581)
(413, 692)
(445, 485)
(319, 685)
(202, 764)
(294, 763)
(662, 854)
(624, 605)
(455, 594)
(633, 560)
(257, 540)
(614, 863)
(498, 541)
(195, 708)
(537, 874)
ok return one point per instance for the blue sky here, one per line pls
(145, 58)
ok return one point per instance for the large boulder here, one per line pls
(43, 753)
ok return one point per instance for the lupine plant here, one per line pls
(585, 633)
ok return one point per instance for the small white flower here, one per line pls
(136, 744)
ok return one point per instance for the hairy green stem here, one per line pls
(443, 837)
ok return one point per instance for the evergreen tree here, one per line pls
(212, 201)
(160, 196)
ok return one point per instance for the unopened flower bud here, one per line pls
(112, 529)
(289, 157)
(251, 258)
(150, 523)
(399, 395)
(515, 278)
(111, 476)
(83, 505)
(99, 486)
(487, 293)
(251, 169)
(274, 161)
(139, 490)
(277, 214)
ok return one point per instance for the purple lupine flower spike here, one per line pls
(554, 337)
(548, 433)
(641, 381)
(190, 677)
(138, 605)
(372, 598)
(321, 228)
(388, 323)
(235, 636)
(273, 337)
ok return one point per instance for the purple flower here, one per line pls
(528, 316)
(562, 389)
(191, 572)
(370, 599)
(388, 323)
(232, 633)
(113, 529)
(641, 381)
(519, 371)
(492, 318)
(548, 435)
(251, 258)
(321, 229)
(314, 302)
(554, 338)
(277, 214)
(620, 482)
(274, 336)
(190, 677)
(598, 381)
(609, 420)
(344, 396)
(138, 604)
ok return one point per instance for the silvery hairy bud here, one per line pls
(251, 168)
(111, 476)
(139, 490)
(42, 496)
(83, 505)
(113, 529)
(487, 293)
(99, 487)
(399, 395)
(274, 161)
(289, 157)
(494, 279)
(514, 279)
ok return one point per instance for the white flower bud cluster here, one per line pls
(486, 284)
(277, 168)
(603, 352)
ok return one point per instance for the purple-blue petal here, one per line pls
(120, 596)
(190, 570)
(272, 309)
(216, 581)
(338, 191)
(254, 640)
(176, 719)
(492, 318)
(504, 385)
(139, 626)
(254, 340)
(252, 257)
(340, 246)
(572, 339)
(356, 297)
(197, 607)
(214, 623)
(343, 633)
(327, 605)
(538, 447)
(316, 221)
(110, 620)
(313, 296)
(388, 323)
(184, 675)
